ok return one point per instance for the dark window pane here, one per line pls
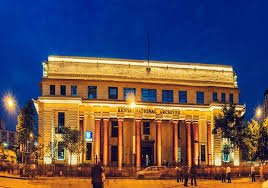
(215, 97)
(113, 93)
(203, 153)
(128, 92)
(200, 97)
(60, 151)
(148, 95)
(167, 95)
(223, 98)
(74, 90)
(63, 90)
(183, 97)
(89, 151)
(146, 128)
(52, 89)
(114, 128)
(114, 153)
(231, 98)
(61, 121)
(92, 92)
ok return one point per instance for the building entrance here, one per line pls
(147, 153)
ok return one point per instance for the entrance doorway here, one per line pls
(147, 154)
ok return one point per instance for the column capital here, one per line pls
(158, 120)
(105, 119)
(195, 121)
(175, 121)
(97, 118)
(120, 119)
(188, 121)
(137, 120)
(208, 122)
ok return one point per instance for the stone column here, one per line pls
(159, 143)
(209, 142)
(97, 139)
(189, 143)
(105, 141)
(175, 139)
(196, 142)
(138, 143)
(120, 142)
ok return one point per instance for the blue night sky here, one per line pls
(215, 32)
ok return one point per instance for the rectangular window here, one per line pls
(129, 92)
(223, 98)
(63, 90)
(183, 97)
(215, 97)
(167, 95)
(52, 89)
(114, 153)
(114, 128)
(146, 128)
(203, 153)
(92, 92)
(231, 98)
(74, 90)
(89, 151)
(148, 95)
(60, 151)
(113, 92)
(199, 97)
(61, 121)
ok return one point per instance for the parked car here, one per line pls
(153, 172)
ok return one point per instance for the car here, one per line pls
(153, 172)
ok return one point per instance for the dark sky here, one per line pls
(216, 32)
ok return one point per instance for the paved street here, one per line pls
(118, 183)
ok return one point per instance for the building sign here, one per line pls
(88, 136)
(148, 111)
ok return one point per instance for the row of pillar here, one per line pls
(189, 125)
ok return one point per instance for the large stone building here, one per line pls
(265, 103)
(132, 112)
(7, 137)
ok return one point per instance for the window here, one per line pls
(63, 90)
(148, 95)
(223, 98)
(92, 92)
(200, 97)
(89, 151)
(61, 121)
(52, 89)
(167, 95)
(60, 151)
(215, 96)
(231, 98)
(146, 128)
(203, 153)
(114, 128)
(113, 93)
(74, 90)
(183, 97)
(114, 153)
(128, 92)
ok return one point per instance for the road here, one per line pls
(119, 183)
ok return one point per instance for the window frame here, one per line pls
(200, 97)
(61, 126)
(231, 98)
(92, 89)
(50, 90)
(129, 89)
(215, 97)
(113, 97)
(63, 90)
(185, 101)
(223, 96)
(114, 129)
(72, 87)
(167, 96)
(63, 148)
(146, 128)
(147, 94)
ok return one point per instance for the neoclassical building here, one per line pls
(135, 113)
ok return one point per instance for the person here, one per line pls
(193, 175)
(223, 174)
(252, 172)
(179, 174)
(186, 175)
(97, 176)
(228, 173)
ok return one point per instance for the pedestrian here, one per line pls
(223, 174)
(97, 173)
(253, 174)
(179, 173)
(186, 175)
(193, 175)
(228, 173)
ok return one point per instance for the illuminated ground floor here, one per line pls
(143, 135)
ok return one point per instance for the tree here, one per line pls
(262, 150)
(72, 141)
(51, 151)
(230, 124)
(25, 128)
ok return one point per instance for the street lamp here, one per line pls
(258, 112)
(9, 102)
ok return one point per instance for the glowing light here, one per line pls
(132, 105)
(9, 102)
(31, 135)
(258, 112)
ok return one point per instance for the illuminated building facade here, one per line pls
(265, 103)
(135, 113)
